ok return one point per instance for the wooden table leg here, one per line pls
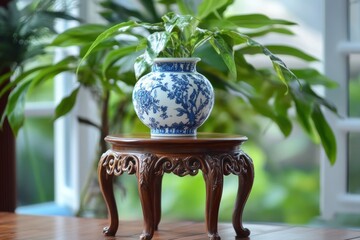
(214, 186)
(157, 201)
(146, 193)
(106, 186)
(246, 179)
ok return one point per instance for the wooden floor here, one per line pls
(14, 227)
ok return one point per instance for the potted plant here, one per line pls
(179, 36)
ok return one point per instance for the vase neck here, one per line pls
(175, 65)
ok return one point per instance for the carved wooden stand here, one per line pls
(215, 155)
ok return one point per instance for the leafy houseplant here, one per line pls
(181, 36)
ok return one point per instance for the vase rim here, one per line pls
(177, 59)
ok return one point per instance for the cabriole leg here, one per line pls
(214, 186)
(106, 186)
(146, 194)
(246, 179)
(157, 201)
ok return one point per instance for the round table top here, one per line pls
(200, 142)
(200, 137)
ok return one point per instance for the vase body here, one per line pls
(173, 99)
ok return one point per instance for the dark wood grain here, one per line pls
(25, 227)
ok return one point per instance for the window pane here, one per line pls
(35, 161)
(354, 20)
(354, 85)
(354, 163)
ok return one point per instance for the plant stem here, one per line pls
(104, 121)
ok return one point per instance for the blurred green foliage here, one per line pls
(35, 162)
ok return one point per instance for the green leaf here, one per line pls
(121, 27)
(149, 5)
(186, 7)
(115, 55)
(15, 107)
(77, 36)
(279, 72)
(23, 76)
(207, 7)
(237, 37)
(284, 124)
(66, 64)
(304, 109)
(142, 64)
(103, 47)
(156, 43)
(66, 104)
(121, 11)
(255, 21)
(278, 30)
(225, 50)
(327, 136)
(262, 107)
(318, 99)
(282, 104)
(282, 71)
(240, 89)
(4, 77)
(282, 50)
(314, 77)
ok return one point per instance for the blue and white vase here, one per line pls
(173, 99)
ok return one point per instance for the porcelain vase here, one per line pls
(173, 99)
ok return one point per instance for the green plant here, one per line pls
(23, 34)
(181, 35)
(23, 30)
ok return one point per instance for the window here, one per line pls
(72, 145)
(340, 183)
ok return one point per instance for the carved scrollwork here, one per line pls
(180, 166)
(214, 170)
(117, 163)
(237, 163)
(146, 167)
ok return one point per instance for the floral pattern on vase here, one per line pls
(173, 99)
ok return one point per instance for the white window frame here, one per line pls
(76, 144)
(335, 197)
